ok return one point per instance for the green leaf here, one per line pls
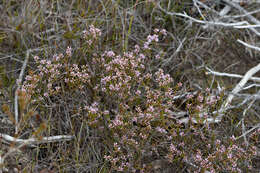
(69, 35)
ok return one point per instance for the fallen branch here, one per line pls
(34, 141)
(248, 45)
(241, 9)
(255, 79)
(226, 104)
(250, 130)
(18, 87)
(238, 88)
(30, 141)
(216, 23)
(201, 21)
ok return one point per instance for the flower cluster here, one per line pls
(91, 34)
(154, 38)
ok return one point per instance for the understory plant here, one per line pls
(128, 104)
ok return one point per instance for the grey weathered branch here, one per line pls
(255, 79)
(248, 45)
(34, 141)
(31, 141)
(18, 87)
(241, 9)
(238, 88)
(217, 23)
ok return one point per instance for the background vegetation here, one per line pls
(77, 48)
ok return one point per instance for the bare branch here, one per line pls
(237, 6)
(248, 45)
(252, 129)
(201, 21)
(255, 79)
(30, 141)
(33, 141)
(18, 87)
(238, 88)
(217, 23)
(247, 26)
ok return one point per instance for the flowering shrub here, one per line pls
(130, 105)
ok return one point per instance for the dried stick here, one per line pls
(255, 79)
(33, 141)
(250, 130)
(19, 82)
(238, 88)
(237, 6)
(248, 45)
(216, 23)
(201, 21)
(18, 88)
(30, 141)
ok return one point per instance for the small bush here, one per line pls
(128, 106)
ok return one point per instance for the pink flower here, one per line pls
(217, 142)
(189, 96)
(68, 51)
(164, 32)
(229, 155)
(200, 98)
(57, 88)
(156, 30)
(161, 130)
(179, 84)
(36, 58)
(157, 56)
(199, 107)
(173, 149)
(198, 157)
(18, 82)
(151, 38)
(89, 42)
(138, 92)
(146, 45)
(110, 54)
(142, 56)
(137, 49)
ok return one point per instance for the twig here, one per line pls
(241, 9)
(250, 86)
(196, 5)
(216, 23)
(205, 121)
(252, 129)
(177, 51)
(247, 26)
(255, 79)
(30, 141)
(225, 105)
(248, 45)
(201, 21)
(19, 82)
(33, 141)
(238, 88)
(246, 1)
(243, 120)
(18, 88)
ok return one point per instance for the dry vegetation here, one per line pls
(78, 71)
